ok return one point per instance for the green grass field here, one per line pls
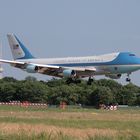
(69, 124)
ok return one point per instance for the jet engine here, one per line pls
(113, 76)
(69, 73)
(31, 68)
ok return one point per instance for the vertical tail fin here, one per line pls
(19, 51)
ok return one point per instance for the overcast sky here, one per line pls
(59, 28)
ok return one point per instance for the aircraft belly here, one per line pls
(123, 68)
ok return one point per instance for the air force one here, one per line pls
(111, 65)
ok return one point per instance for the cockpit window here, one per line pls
(131, 54)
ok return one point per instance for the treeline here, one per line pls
(54, 91)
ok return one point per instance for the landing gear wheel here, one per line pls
(77, 81)
(90, 80)
(71, 80)
(128, 80)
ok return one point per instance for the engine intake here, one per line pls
(69, 73)
(31, 68)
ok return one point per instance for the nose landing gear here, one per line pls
(128, 78)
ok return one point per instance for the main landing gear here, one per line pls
(128, 78)
(73, 80)
(90, 80)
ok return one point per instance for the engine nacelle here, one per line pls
(31, 68)
(69, 73)
(113, 76)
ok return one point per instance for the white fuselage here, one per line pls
(82, 62)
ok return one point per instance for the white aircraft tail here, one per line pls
(19, 51)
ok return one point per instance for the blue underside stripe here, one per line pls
(87, 64)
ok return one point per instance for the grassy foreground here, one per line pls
(18, 123)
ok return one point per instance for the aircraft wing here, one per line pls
(19, 63)
(51, 70)
(58, 71)
(11, 62)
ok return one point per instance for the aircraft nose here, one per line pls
(138, 60)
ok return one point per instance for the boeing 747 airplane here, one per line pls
(111, 65)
